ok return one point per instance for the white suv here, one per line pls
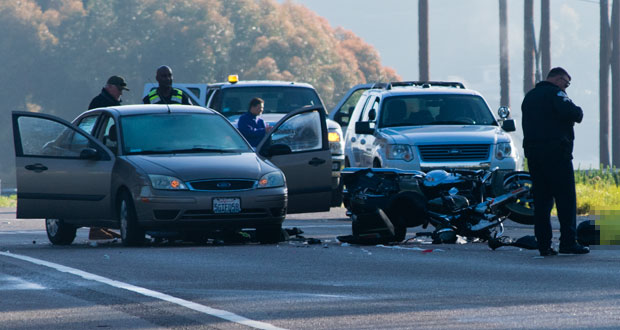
(428, 125)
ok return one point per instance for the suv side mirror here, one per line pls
(509, 125)
(364, 127)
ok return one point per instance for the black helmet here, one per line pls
(587, 233)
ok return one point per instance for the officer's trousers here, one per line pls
(553, 178)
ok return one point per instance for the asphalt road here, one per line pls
(296, 285)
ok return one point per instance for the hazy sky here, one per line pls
(464, 46)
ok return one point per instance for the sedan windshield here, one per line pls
(435, 109)
(179, 133)
(278, 99)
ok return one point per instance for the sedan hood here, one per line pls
(189, 167)
(447, 134)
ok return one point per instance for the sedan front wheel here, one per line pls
(131, 233)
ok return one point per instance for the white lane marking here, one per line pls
(147, 292)
(22, 232)
(397, 247)
(320, 226)
(15, 283)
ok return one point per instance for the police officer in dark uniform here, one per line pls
(165, 93)
(548, 120)
(110, 93)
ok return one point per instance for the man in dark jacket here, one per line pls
(165, 93)
(110, 93)
(548, 120)
(110, 96)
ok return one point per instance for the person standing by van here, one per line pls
(251, 125)
(165, 93)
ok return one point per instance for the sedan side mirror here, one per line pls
(509, 125)
(277, 149)
(364, 127)
(89, 153)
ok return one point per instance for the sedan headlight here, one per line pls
(399, 151)
(270, 180)
(504, 150)
(166, 182)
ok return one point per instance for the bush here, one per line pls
(8, 201)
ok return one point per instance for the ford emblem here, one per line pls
(454, 151)
(223, 185)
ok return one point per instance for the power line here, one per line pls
(591, 1)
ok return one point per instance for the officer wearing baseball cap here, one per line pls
(110, 93)
(110, 96)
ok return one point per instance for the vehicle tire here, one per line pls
(131, 233)
(269, 234)
(522, 210)
(337, 195)
(399, 233)
(59, 232)
(376, 163)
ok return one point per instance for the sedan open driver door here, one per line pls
(298, 145)
(62, 172)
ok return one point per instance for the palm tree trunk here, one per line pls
(528, 45)
(504, 63)
(424, 64)
(604, 54)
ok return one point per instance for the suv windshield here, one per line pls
(179, 133)
(278, 99)
(435, 109)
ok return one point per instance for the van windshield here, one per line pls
(435, 109)
(278, 99)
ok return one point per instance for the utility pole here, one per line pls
(424, 64)
(615, 83)
(545, 38)
(504, 63)
(528, 45)
(604, 57)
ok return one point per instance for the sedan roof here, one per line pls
(134, 109)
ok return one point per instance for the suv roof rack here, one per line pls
(423, 84)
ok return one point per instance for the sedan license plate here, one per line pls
(226, 205)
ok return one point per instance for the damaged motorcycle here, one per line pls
(383, 202)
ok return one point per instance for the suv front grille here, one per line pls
(454, 152)
(222, 185)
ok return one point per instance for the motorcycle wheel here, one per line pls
(522, 210)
